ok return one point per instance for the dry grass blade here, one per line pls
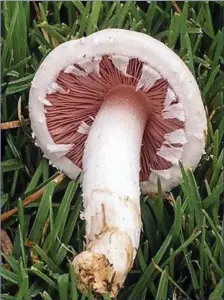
(176, 7)
(13, 124)
(6, 244)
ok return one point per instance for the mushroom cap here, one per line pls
(163, 63)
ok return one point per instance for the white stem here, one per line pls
(111, 192)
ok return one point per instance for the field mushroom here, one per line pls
(125, 109)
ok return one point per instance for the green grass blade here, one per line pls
(42, 213)
(9, 276)
(43, 276)
(63, 286)
(73, 287)
(61, 217)
(47, 260)
(11, 165)
(163, 287)
(94, 18)
(143, 281)
(218, 292)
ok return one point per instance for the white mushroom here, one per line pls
(124, 108)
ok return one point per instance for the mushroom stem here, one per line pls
(111, 165)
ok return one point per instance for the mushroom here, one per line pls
(123, 108)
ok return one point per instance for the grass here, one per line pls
(181, 250)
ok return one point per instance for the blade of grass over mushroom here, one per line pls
(106, 297)
(90, 296)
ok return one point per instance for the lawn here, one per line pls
(181, 253)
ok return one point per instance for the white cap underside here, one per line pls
(130, 44)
